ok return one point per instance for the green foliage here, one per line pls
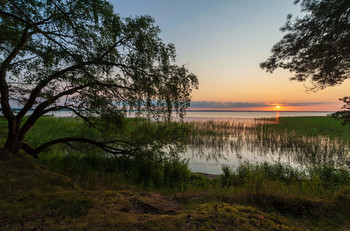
(94, 196)
(80, 56)
(156, 162)
(315, 46)
(84, 45)
(48, 128)
(318, 179)
(329, 176)
(146, 170)
(255, 174)
(34, 197)
(157, 137)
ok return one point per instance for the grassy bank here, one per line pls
(35, 196)
(315, 126)
(79, 187)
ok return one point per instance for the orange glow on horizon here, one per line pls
(270, 108)
(277, 106)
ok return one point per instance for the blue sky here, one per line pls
(224, 41)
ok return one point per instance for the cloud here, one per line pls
(306, 104)
(213, 104)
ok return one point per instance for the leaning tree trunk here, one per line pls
(14, 139)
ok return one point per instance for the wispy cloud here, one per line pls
(306, 104)
(213, 104)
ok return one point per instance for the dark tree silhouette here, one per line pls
(317, 45)
(80, 56)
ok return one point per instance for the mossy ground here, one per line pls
(33, 197)
(64, 190)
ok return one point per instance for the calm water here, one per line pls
(246, 150)
(234, 149)
(247, 116)
(238, 116)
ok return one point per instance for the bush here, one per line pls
(145, 169)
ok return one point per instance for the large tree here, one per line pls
(316, 46)
(79, 55)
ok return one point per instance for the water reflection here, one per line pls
(214, 143)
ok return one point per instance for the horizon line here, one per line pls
(191, 110)
(214, 110)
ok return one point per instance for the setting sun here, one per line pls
(277, 107)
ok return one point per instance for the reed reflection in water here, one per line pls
(213, 143)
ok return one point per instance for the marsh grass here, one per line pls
(97, 171)
(317, 194)
(303, 140)
(150, 167)
(316, 180)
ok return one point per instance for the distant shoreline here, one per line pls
(249, 111)
(191, 110)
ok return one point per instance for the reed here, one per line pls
(299, 141)
(318, 192)
(296, 140)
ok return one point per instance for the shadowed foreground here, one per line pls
(66, 190)
(33, 198)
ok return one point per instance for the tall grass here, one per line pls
(154, 163)
(48, 128)
(315, 191)
(97, 171)
(302, 140)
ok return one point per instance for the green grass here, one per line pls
(266, 197)
(303, 140)
(97, 170)
(48, 128)
(35, 198)
(315, 126)
(89, 189)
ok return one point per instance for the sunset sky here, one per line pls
(223, 42)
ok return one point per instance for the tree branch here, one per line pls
(111, 48)
(7, 14)
(102, 145)
(70, 108)
(42, 106)
(72, 24)
(4, 90)
(36, 91)
(30, 24)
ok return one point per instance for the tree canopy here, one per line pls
(80, 56)
(316, 46)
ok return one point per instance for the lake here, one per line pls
(230, 115)
(241, 142)
(242, 116)
(234, 148)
